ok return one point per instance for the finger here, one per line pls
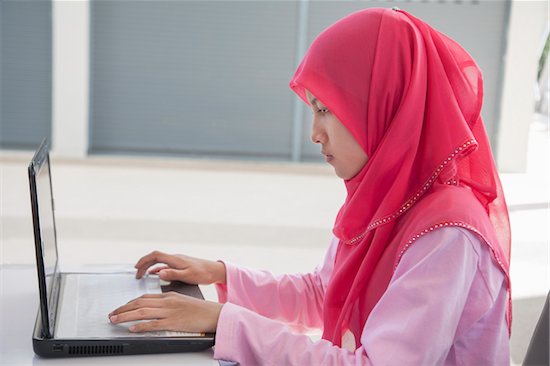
(145, 262)
(152, 326)
(171, 274)
(138, 314)
(157, 269)
(154, 258)
(150, 300)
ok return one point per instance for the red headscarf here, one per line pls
(411, 97)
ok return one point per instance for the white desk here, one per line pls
(18, 308)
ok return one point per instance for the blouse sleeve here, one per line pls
(414, 323)
(296, 299)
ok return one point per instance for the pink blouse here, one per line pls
(445, 305)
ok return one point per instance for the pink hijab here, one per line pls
(411, 97)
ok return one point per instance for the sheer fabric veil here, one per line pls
(411, 97)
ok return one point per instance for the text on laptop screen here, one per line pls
(47, 229)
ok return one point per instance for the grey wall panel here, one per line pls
(25, 73)
(192, 77)
(210, 77)
(480, 27)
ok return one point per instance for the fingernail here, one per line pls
(114, 318)
(132, 328)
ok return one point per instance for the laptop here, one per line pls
(72, 317)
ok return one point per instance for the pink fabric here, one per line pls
(445, 305)
(412, 98)
(296, 299)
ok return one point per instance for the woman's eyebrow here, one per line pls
(313, 101)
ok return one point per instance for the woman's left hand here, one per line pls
(169, 311)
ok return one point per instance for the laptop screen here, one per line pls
(47, 231)
(44, 232)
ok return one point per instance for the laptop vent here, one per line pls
(96, 350)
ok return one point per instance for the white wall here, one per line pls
(70, 82)
(528, 20)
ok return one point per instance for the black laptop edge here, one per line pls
(36, 164)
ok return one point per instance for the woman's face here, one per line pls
(338, 145)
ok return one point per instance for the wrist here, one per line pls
(215, 311)
(220, 273)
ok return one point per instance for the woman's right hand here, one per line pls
(179, 267)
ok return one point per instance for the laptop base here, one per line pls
(54, 348)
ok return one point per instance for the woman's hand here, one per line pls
(169, 311)
(182, 268)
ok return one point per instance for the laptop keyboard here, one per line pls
(87, 299)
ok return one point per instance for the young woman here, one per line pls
(417, 272)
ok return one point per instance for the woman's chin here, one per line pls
(341, 174)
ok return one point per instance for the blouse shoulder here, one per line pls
(458, 245)
(456, 242)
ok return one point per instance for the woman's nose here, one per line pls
(318, 136)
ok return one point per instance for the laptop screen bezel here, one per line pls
(41, 160)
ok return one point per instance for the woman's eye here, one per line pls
(323, 110)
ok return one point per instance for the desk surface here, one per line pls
(18, 307)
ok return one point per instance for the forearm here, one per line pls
(295, 299)
(251, 339)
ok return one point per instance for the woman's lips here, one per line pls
(328, 157)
